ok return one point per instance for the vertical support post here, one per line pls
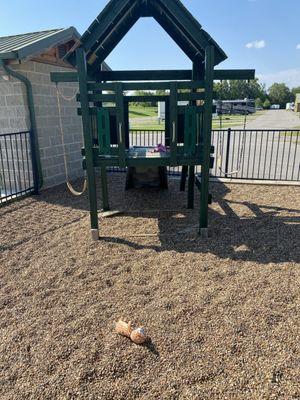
(121, 124)
(207, 127)
(174, 121)
(103, 127)
(197, 75)
(88, 141)
(104, 185)
(191, 187)
(184, 173)
(227, 152)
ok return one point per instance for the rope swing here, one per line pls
(70, 187)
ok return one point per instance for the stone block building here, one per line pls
(28, 102)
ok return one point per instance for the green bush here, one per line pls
(267, 104)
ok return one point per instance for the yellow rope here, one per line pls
(70, 187)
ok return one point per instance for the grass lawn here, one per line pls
(142, 112)
(138, 113)
(229, 121)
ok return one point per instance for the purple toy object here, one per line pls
(160, 148)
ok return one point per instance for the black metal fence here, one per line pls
(239, 154)
(16, 169)
(257, 154)
(244, 154)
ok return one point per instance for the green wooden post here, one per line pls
(104, 185)
(174, 121)
(184, 173)
(207, 127)
(88, 142)
(121, 124)
(103, 126)
(197, 75)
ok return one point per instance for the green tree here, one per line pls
(295, 91)
(267, 104)
(161, 92)
(222, 90)
(144, 103)
(233, 90)
(279, 93)
(259, 103)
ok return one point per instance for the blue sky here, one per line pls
(260, 34)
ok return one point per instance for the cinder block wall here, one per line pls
(13, 111)
(14, 118)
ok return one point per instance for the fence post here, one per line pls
(35, 171)
(227, 152)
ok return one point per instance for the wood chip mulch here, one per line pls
(222, 313)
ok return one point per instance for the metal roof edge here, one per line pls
(53, 39)
(47, 42)
(10, 55)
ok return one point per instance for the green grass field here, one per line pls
(138, 113)
(142, 112)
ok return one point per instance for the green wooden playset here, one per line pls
(104, 102)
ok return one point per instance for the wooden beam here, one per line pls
(207, 127)
(109, 42)
(172, 75)
(191, 28)
(63, 77)
(88, 142)
(174, 121)
(186, 45)
(148, 75)
(234, 74)
(103, 23)
(147, 85)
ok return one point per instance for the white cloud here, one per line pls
(256, 44)
(291, 77)
(298, 46)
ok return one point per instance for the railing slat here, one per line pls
(15, 166)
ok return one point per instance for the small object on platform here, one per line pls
(124, 328)
(160, 148)
(159, 151)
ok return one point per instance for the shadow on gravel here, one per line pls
(266, 234)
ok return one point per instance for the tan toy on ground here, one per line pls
(123, 328)
(138, 336)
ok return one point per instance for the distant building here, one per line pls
(246, 106)
(275, 107)
(290, 106)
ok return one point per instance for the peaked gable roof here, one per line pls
(119, 16)
(29, 44)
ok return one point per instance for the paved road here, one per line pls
(275, 119)
(256, 154)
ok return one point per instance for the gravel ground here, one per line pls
(223, 312)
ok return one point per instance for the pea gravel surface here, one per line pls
(222, 313)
